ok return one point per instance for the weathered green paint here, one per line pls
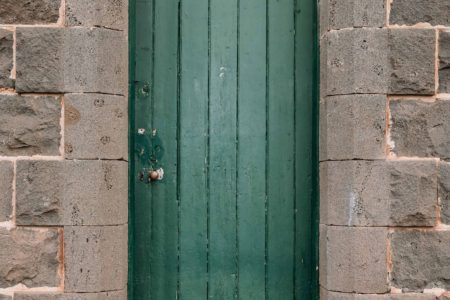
(226, 93)
(251, 154)
(193, 141)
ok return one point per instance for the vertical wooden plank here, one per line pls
(306, 164)
(142, 108)
(193, 149)
(164, 242)
(280, 173)
(251, 149)
(222, 176)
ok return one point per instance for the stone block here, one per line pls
(115, 295)
(29, 12)
(444, 62)
(6, 58)
(420, 260)
(30, 125)
(353, 259)
(419, 128)
(379, 193)
(96, 126)
(327, 295)
(434, 12)
(444, 192)
(30, 257)
(412, 61)
(58, 60)
(357, 61)
(95, 258)
(101, 13)
(71, 193)
(355, 13)
(353, 127)
(5, 297)
(6, 183)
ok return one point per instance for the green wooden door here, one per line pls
(223, 101)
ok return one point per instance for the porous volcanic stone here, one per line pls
(6, 58)
(96, 126)
(379, 193)
(327, 295)
(29, 12)
(30, 125)
(74, 60)
(116, 295)
(340, 14)
(419, 128)
(6, 182)
(30, 257)
(357, 61)
(444, 192)
(412, 61)
(420, 260)
(95, 258)
(407, 12)
(71, 192)
(102, 13)
(353, 126)
(444, 62)
(353, 259)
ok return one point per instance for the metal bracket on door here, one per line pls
(150, 152)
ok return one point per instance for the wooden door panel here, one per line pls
(223, 101)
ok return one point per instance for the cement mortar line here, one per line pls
(393, 26)
(23, 288)
(61, 268)
(389, 143)
(59, 226)
(62, 125)
(388, 11)
(62, 14)
(14, 194)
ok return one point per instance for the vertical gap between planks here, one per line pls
(294, 278)
(208, 193)
(237, 146)
(152, 113)
(178, 146)
(266, 203)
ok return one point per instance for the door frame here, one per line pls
(311, 33)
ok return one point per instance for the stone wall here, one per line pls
(385, 149)
(63, 149)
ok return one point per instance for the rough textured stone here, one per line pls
(346, 265)
(353, 126)
(116, 295)
(435, 12)
(29, 257)
(357, 61)
(29, 12)
(379, 193)
(6, 182)
(412, 61)
(102, 13)
(420, 128)
(327, 295)
(420, 259)
(71, 192)
(5, 297)
(96, 126)
(95, 258)
(444, 192)
(30, 125)
(6, 58)
(71, 60)
(354, 13)
(444, 62)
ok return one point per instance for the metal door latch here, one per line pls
(151, 175)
